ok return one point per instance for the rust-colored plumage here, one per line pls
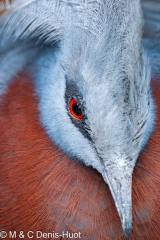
(43, 189)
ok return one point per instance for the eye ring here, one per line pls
(75, 109)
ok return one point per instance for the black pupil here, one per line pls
(76, 109)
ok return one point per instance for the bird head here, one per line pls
(95, 103)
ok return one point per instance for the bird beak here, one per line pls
(120, 188)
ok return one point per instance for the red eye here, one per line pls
(75, 109)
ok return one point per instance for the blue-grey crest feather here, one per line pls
(151, 37)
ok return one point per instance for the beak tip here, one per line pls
(127, 231)
(121, 192)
